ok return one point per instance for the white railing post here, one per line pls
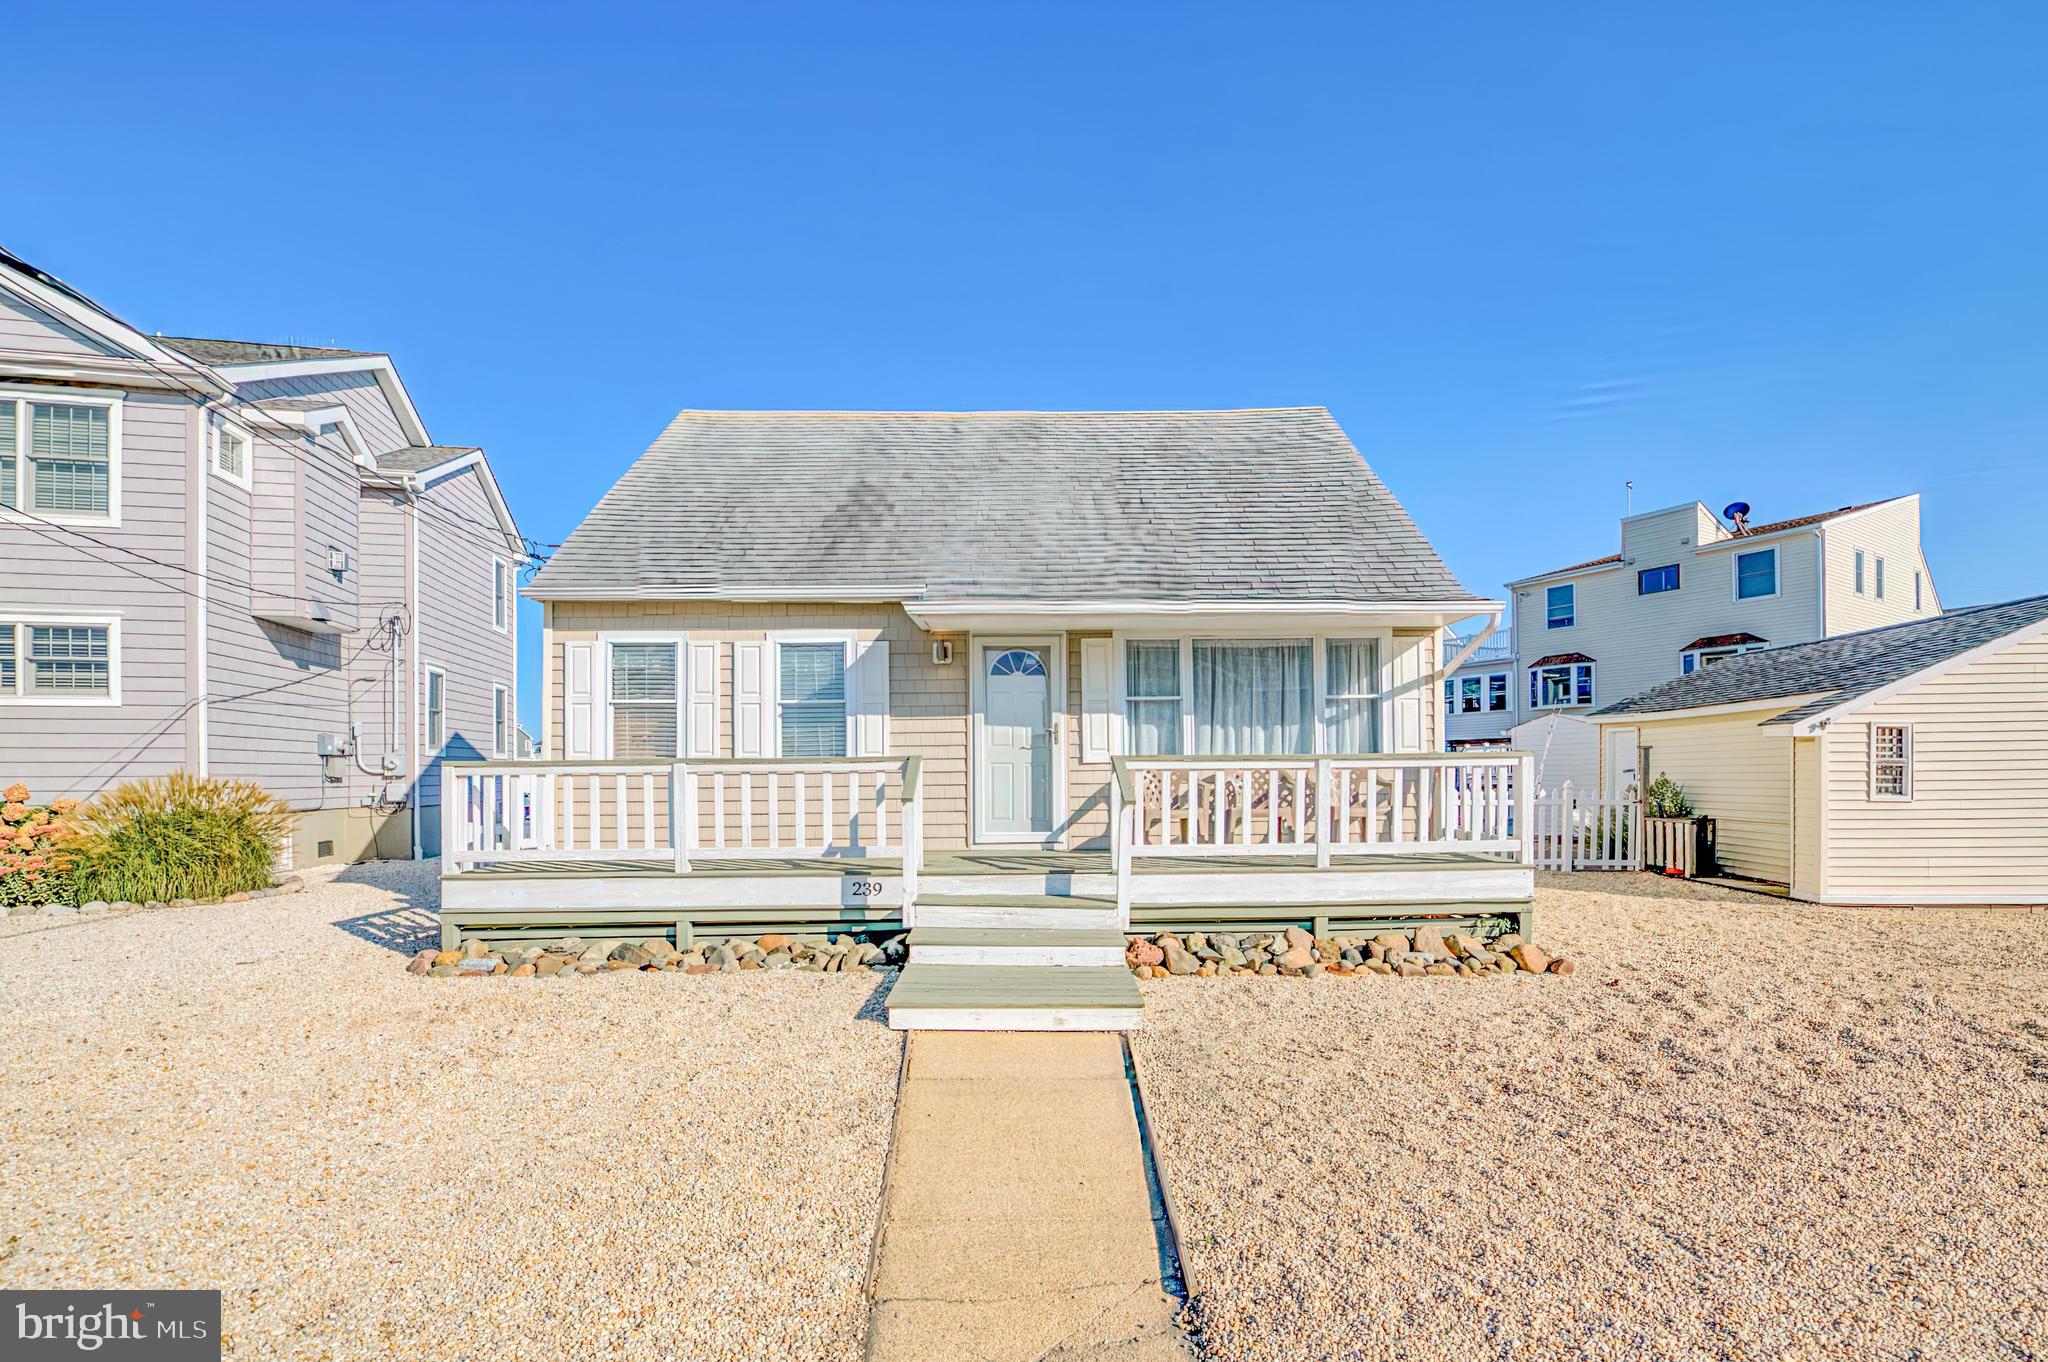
(1525, 808)
(1568, 826)
(912, 836)
(682, 814)
(1122, 851)
(454, 795)
(1325, 814)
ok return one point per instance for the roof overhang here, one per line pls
(152, 365)
(379, 366)
(310, 421)
(1775, 705)
(1265, 617)
(1814, 723)
(1582, 570)
(423, 478)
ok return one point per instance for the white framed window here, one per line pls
(1561, 685)
(501, 722)
(1859, 572)
(1251, 696)
(1891, 761)
(1696, 659)
(1561, 606)
(1756, 574)
(1916, 591)
(1651, 581)
(810, 697)
(60, 660)
(435, 711)
(1152, 696)
(1879, 581)
(644, 692)
(232, 451)
(60, 455)
(501, 595)
(1487, 694)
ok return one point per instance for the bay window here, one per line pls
(1560, 684)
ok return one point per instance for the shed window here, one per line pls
(1650, 581)
(1152, 696)
(643, 700)
(1561, 606)
(1756, 574)
(1891, 761)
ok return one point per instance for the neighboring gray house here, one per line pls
(242, 560)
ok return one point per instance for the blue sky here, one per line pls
(1790, 254)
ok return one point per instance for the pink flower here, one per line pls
(17, 793)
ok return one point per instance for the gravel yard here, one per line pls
(1743, 1129)
(255, 1097)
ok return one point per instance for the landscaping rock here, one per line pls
(479, 964)
(1143, 952)
(1562, 966)
(773, 942)
(1530, 957)
(1297, 939)
(1393, 944)
(525, 971)
(658, 947)
(421, 963)
(1178, 961)
(1430, 942)
(1297, 957)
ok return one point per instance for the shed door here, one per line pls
(1622, 753)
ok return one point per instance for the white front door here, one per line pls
(1016, 741)
(1622, 747)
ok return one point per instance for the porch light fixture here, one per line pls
(942, 652)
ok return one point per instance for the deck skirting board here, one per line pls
(1014, 1019)
(658, 892)
(1333, 886)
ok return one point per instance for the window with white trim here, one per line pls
(810, 699)
(501, 595)
(645, 687)
(436, 709)
(1487, 694)
(56, 661)
(1891, 761)
(1696, 659)
(1152, 696)
(1651, 581)
(501, 722)
(1916, 591)
(1351, 702)
(1880, 577)
(1561, 606)
(1561, 685)
(58, 458)
(230, 451)
(1756, 574)
(1859, 572)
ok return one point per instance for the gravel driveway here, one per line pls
(256, 1097)
(1744, 1129)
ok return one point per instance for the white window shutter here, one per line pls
(1095, 700)
(1411, 689)
(868, 691)
(579, 701)
(750, 699)
(702, 717)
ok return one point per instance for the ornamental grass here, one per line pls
(178, 837)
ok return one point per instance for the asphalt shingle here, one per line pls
(1837, 670)
(255, 352)
(1178, 505)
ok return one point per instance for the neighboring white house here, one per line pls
(1901, 765)
(241, 559)
(1479, 693)
(1564, 749)
(1687, 592)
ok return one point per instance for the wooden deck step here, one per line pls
(1059, 911)
(1066, 948)
(929, 997)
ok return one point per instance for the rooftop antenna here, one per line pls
(1738, 513)
(1629, 498)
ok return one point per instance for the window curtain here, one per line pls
(1351, 681)
(1252, 699)
(1152, 683)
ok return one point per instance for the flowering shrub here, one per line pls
(37, 859)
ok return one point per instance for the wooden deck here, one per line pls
(975, 863)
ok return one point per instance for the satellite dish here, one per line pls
(1735, 510)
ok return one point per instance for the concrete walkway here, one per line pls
(1019, 1223)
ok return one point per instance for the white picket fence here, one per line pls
(1577, 831)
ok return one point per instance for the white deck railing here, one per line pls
(1357, 805)
(680, 811)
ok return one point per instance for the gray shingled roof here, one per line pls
(1176, 505)
(413, 458)
(254, 352)
(1837, 670)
